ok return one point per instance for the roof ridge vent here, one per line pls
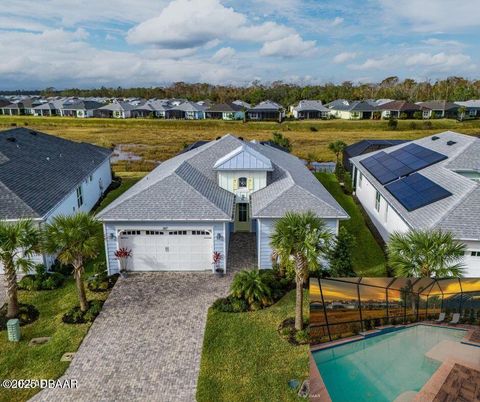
(450, 143)
(435, 138)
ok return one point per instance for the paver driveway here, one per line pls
(146, 343)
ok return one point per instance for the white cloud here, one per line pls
(344, 57)
(337, 21)
(442, 43)
(440, 61)
(224, 54)
(376, 63)
(289, 46)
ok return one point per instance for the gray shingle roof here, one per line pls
(435, 214)
(267, 105)
(41, 170)
(305, 105)
(185, 188)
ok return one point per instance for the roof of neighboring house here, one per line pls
(399, 105)
(189, 106)
(470, 104)
(52, 105)
(351, 106)
(194, 145)
(24, 103)
(83, 105)
(305, 105)
(267, 105)
(242, 103)
(225, 108)
(37, 171)
(465, 192)
(185, 188)
(115, 106)
(360, 147)
(438, 105)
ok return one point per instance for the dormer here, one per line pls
(243, 171)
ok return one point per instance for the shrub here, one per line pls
(392, 123)
(230, 304)
(253, 287)
(27, 314)
(76, 316)
(427, 125)
(302, 337)
(413, 125)
(367, 325)
(417, 115)
(377, 323)
(403, 116)
(65, 270)
(42, 280)
(101, 282)
(340, 255)
(313, 128)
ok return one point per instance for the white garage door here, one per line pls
(168, 250)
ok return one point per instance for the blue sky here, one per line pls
(155, 42)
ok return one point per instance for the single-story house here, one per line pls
(225, 111)
(186, 110)
(142, 111)
(364, 147)
(439, 109)
(310, 109)
(426, 184)
(472, 108)
(118, 110)
(42, 176)
(159, 107)
(351, 110)
(242, 103)
(398, 108)
(50, 108)
(266, 110)
(81, 108)
(191, 205)
(20, 108)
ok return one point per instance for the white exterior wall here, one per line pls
(220, 236)
(265, 228)
(342, 114)
(226, 179)
(233, 115)
(472, 263)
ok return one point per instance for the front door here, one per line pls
(242, 218)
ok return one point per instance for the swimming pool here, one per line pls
(380, 368)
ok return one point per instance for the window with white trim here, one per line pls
(242, 182)
(153, 233)
(475, 254)
(131, 232)
(79, 196)
(378, 197)
(177, 232)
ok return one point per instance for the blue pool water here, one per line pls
(380, 368)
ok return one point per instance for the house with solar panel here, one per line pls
(430, 183)
(205, 199)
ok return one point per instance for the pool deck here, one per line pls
(458, 375)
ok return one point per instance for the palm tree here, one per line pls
(337, 148)
(423, 253)
(75, 239)
(298, 241)
(19, 241)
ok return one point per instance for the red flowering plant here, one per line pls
(123, 254)
(217, 258)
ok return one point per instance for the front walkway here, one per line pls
(147, 342)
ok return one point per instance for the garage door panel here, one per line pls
(173, 250)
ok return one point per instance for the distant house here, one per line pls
(365, 147)
(117, 110)
(51, 108)
(142, 111)
(266, 110)
(225, 111)
(396, 109)
(351, 110)
(43, 176)
(81, 108)
(23, 107)
(186, 110)
(439, 109)
(159, 107)
(472, 108)
(310, 109)
(242, 103)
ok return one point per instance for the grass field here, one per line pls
(158, 140)
(368, 257)
(245, 359)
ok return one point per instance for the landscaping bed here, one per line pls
(245, 359)
(27, 314)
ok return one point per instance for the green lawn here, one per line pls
(368, 256)
(244, 358)
(20, 361)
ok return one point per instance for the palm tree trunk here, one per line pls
(299, 305)
(82, 297)
(12, 294)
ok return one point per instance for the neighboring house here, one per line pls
(245, 105)
(310, 109)
(398, 109)
(351, 110)
(190, 206)
(117, 110)
(142, 111)
(426, 184)
(439, 109)
(186, 110)
(51, 108)
(81, 108)
(364, 147)
(23, 107)
(42, 176)
(159, 107)
(266, 110)
(472, 108)
(225, 111)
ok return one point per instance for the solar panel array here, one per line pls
(416, 191)
(402, 162)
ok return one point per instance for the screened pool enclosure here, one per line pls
(341, 307)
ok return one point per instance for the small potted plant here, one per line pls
(217, 258)
(123, 254)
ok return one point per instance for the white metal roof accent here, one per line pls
(244, 158)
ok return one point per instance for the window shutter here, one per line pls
(250, 183)
(235, 184)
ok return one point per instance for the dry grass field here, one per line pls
(157, 140)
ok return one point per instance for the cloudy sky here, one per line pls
(155, 42)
